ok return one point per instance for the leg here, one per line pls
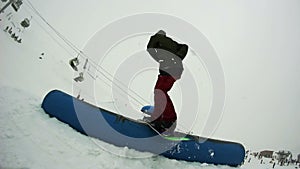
(164, 112)
(169, 113)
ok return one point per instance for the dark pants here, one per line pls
(164, 112)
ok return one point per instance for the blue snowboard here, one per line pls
(122, 131)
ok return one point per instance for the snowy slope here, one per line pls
(30, 139)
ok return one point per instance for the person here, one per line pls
(169, 54)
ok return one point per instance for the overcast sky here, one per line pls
(258, 45)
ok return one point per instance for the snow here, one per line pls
(30, 139)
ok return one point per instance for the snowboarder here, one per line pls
(169, 54)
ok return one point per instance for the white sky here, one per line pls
(258, 44)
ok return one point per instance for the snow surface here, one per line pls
(30, 139)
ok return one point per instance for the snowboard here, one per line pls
(123, 131)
